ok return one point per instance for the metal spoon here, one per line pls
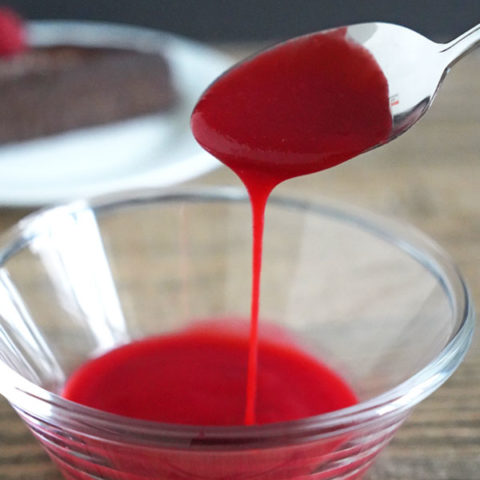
(413, 65)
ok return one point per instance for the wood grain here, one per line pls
(429, 177)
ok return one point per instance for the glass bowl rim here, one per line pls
(30, 399)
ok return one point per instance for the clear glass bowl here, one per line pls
(375, 300)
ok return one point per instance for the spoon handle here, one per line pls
(461, 46)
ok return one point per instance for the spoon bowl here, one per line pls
(317, 100)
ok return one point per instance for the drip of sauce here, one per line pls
(298, 108)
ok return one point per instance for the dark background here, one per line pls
(250, 20)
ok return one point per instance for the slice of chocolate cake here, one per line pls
(56, 88)
(45, 91)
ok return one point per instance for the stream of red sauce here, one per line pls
(304, 106)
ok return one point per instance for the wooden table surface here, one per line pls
(429, 177)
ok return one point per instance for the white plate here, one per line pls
(156, 150)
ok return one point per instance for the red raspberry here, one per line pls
(12, 33)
